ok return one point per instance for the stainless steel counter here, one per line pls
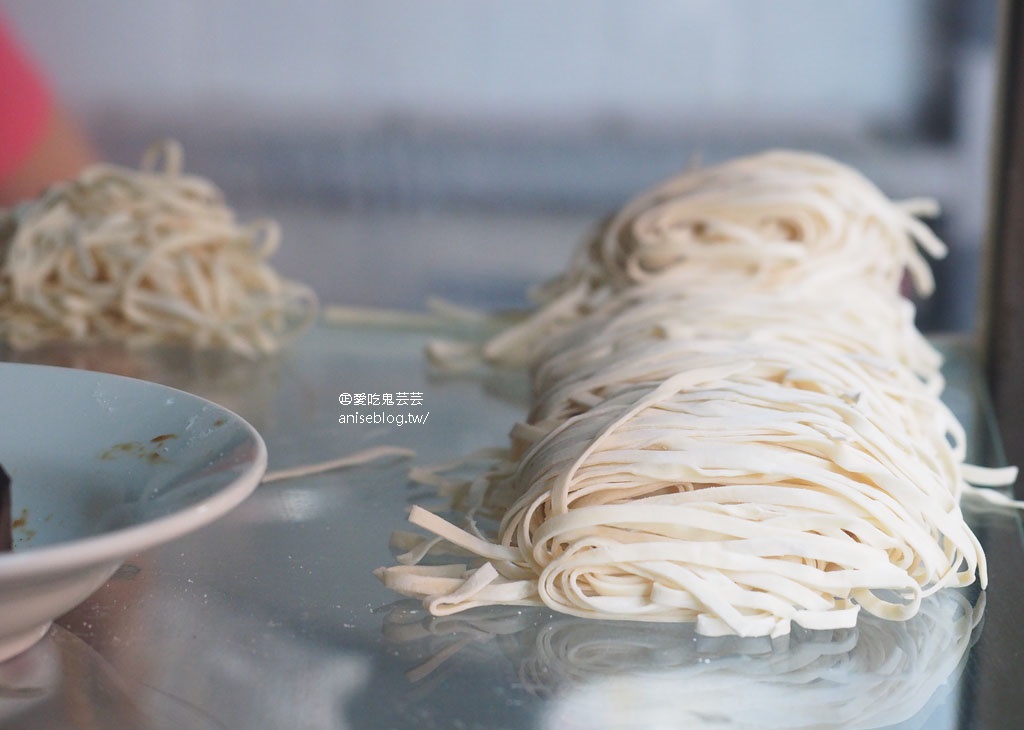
(271, 617)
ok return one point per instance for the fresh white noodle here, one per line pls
(144, 256)
(734, 421)
(359, 458)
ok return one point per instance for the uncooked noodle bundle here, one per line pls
(735, 422)
(143, 256)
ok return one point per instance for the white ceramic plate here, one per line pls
(103, 467)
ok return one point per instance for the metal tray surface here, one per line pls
(272, 618)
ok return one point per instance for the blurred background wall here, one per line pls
(463, 147)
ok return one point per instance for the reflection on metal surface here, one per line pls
(223, 662)
(63, 682)
(28, 679)
(284, 506)
(597, 674)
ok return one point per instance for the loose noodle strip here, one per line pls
(440, 313)
(144, 256)
(359, 458)
(734, 420)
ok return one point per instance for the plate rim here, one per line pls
(117, 544)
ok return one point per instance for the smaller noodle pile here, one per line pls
(143, 256)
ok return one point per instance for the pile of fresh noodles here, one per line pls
(734, 420)
(147, 255)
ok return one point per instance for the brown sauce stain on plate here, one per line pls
(149, 451)
(20, 525)
(114, 451)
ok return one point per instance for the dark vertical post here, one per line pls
(1003, 292)
(6, 539)
(994, 698)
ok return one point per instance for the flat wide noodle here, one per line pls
(734, 421)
